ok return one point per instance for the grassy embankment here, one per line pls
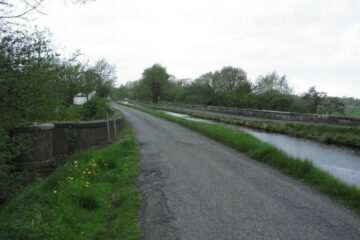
(352, 111)
(266, 153)
(92, 196)
(331, 134)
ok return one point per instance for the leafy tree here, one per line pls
(172, 90)
(312, 99)
(331, 105)
(155, 78)
(275, 100)
(99, 78)
(230, 79)
(68, 77)
(199, 91)
(271, 82)
(25, 65)
(121, 92)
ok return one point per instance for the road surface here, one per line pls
(195, 188)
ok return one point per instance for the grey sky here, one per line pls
(313, 42)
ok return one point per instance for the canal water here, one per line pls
(341, 162)
(188, 117)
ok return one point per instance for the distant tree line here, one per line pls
(230, 87)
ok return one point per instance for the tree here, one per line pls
(312, 99)
(99, 78)
(105, 71)
(19, 9)
(230, 79)
(271, 82)
(199, 91)
(10, 10)
(121, 92)
(331, 105)
(155, 78)
(26, 62)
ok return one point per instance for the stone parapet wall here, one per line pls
(51, 142)
(276, 115)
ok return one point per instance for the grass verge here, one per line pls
(340, 135)
(92, 196)
(352, 111)
(252, 147)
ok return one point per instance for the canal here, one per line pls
(341, 162)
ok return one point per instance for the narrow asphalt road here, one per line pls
(195, 188)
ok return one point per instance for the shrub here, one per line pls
(65, 113)
(95, 108)
(8, 183)
(10, 148)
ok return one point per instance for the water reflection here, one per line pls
(342, 162)
(185, 116)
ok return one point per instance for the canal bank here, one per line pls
(339, 161)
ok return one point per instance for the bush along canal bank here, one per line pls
(252, 147)
(92, 196)
(330, 134)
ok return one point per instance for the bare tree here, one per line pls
(10, 10)
(19, 9)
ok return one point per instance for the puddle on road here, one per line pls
(342, 162)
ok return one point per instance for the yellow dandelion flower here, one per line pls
(70, 178)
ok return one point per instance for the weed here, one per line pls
(88, 201)
(82, 199)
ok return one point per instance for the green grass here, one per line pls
(252, 147)
(331, 134)
(92, 196)
(352, 111)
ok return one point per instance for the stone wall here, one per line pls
(52, 142)
(276, 115)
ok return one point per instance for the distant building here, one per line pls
(81, 98)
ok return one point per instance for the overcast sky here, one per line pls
(312, 42)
